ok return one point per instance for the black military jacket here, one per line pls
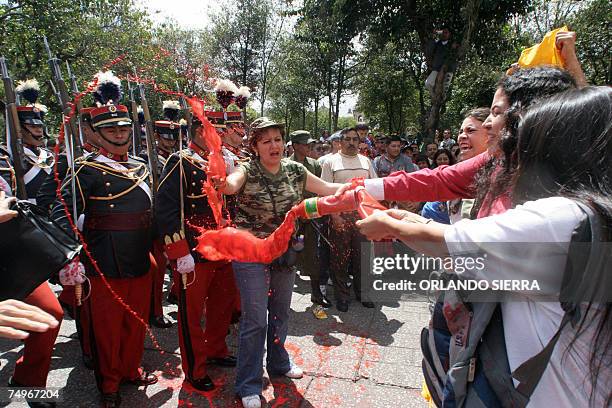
(180, 239)
(115, 199)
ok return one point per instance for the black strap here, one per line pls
(263, 177)
(530, 372)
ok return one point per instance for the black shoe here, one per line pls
(40, 404)
(144, 379)
(321, 300)
(203, 384)
(111, 400)
(342, 305)
(368, 305)
(88, 362)
(172, 299)
(161, 321)
(227, 361)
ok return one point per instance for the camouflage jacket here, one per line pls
(265, 198)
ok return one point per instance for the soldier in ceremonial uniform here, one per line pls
(39, 161)
(32, 367)
(46, 197)
(115, 198)
(167, 133)
(210, 285)
(233, 138)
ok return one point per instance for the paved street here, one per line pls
(363, 358)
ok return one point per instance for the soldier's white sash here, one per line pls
(117, 166)
(35, 169)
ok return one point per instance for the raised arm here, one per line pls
(566, 43)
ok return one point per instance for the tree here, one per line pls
(470, 22)
(86, 34)
(386, 92)
(244, 41)
(592, 24)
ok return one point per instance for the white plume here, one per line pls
(244, 92)
(41, 107)
(107, 76)
(27, 84)
(171, 105)
(226, 85)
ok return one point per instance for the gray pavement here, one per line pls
(362, 358)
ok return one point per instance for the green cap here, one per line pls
(301, 137)
(265, 122)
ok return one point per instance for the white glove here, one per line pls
(72, 273)
(185, 264)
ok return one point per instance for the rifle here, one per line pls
(14, 131)
(79, 105)
(151, 150)
(135, 123)
(185, 109)
(64, 101)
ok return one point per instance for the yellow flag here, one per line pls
(544, 53)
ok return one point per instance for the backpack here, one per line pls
(464, 352)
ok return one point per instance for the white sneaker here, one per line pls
(295, 372)
(251, 401)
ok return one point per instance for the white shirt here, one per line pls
(529, 324)
(340, 168)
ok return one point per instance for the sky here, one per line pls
(188, 13)
(195, 14)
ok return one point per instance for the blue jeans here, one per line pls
(265, 299)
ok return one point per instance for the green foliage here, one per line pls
(594, 32)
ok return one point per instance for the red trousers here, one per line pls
(32, 367)
(117, 338)
(212, 293)
(157, 276)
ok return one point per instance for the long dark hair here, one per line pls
(523, 88)
(565, 149)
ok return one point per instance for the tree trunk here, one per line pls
(339, 89)
(470, 15)
(316, 117)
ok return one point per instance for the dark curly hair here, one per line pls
(523, 88)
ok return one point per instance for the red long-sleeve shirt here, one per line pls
(440, 184)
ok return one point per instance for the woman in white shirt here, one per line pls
(564, 157)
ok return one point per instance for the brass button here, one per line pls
(195, 172)
(111, 205)
(193, 183)
(104, 173)
(110, 194)
(107, 184)
(193, 206)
